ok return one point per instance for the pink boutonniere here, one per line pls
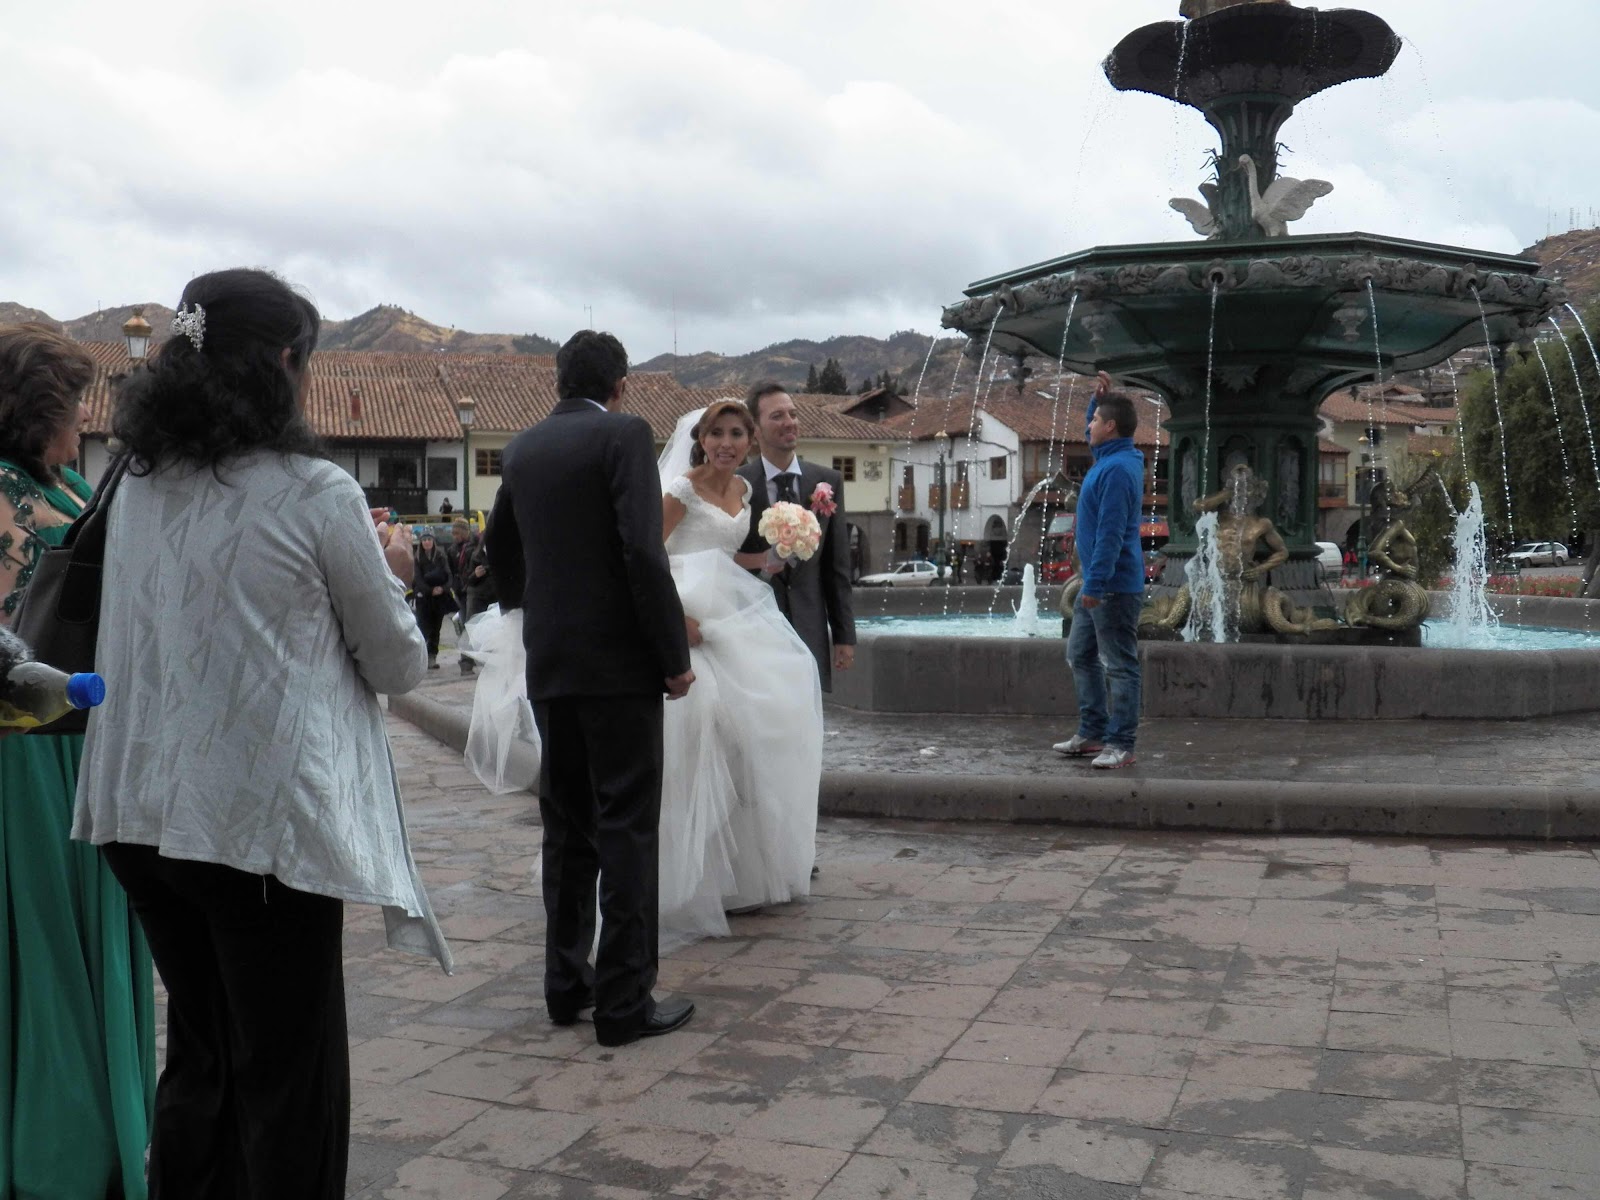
(822, 502)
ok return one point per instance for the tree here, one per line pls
(831, 380)
(811, 378)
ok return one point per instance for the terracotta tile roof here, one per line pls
(1341, 407)
(820, 415)
(1324, 446)
(1034, 416)
(401, 396)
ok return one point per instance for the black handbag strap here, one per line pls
(86, 538)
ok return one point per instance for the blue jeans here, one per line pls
(1103, 651)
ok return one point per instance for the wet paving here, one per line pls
(984, 1011)
(1548, 751)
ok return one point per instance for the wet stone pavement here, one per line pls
(1001, 1012)
(1549, 751)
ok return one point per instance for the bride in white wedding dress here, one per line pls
(743, 750)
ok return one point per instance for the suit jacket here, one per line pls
(578, 522)
(815, 594)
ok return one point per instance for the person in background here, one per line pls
(238, 777)
(446, 508)
(433, 599)
(77, 1027)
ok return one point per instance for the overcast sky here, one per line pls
(764, 171)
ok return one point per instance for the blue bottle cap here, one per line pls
(85, 690)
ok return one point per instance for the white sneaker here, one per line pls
(1078, 746)
(1111, 758)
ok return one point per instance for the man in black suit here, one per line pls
(578, 520)
(814, 594)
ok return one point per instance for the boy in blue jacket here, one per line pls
(1103, 648)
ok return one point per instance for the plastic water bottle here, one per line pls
(33, 694)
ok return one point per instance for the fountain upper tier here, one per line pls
(1294, 309)
(1253, 49)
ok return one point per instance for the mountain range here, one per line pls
(1575, 256)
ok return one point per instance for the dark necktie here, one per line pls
(786, 487)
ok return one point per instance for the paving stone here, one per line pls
(1240, 1111)
(1265, 1025)
(1144, 1100)
(1347, 1174)
(769, 1065)
(1549, 1141)
(810, 1118)
(1000, 1087)
(393, 1060)
(1025, 1045)
(1512, 1005)
(747, 1169)
(1132, 1054)
(649, 1158)
(1109, 1153)
(939, 1133)
(432, 1178)
(1386, 1034)
(518, 1138)
(1388, 1076)
(870, 1177)
(1495, 1181)
(1486, 1083)
(1291, 1067)
(886, 1033)
(1535, 1044)
(691, 1102)
(882, 1077)
(1389, 1126)
(407, 1114)
(1212, 1166)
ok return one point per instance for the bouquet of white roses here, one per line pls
(791, 531)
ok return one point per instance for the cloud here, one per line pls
(749, 172)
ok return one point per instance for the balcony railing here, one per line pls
(1332, 491)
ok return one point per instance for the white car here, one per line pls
(1331, 560)
(1539, 554)
(907, 574)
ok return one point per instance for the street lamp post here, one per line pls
(944, 484)
(466, 413)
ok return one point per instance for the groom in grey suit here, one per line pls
(814, 594)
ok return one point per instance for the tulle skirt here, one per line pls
(742, 756)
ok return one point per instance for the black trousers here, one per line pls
(600, 800)
(254, 1100)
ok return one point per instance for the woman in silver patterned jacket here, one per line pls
(239, 777)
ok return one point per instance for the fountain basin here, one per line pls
(903, 673)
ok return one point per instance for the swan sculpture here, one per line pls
(1202, 216)
(1285, 199)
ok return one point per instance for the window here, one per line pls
(961, 472)
(487, 462)
(846, 468)
(997, 467)
(908, 477)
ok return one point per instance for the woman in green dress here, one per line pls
(77, 1044)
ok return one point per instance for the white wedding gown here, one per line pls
(742, 756)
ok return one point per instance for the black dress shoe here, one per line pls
(567, 1012)
(674, 1014)
(815, 870)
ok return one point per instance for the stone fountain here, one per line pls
(1246, 332)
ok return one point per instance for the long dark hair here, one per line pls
(232, 393)
(42, 377)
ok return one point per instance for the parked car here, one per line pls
(1539, 554)
(1331, 559)
(907, 574)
